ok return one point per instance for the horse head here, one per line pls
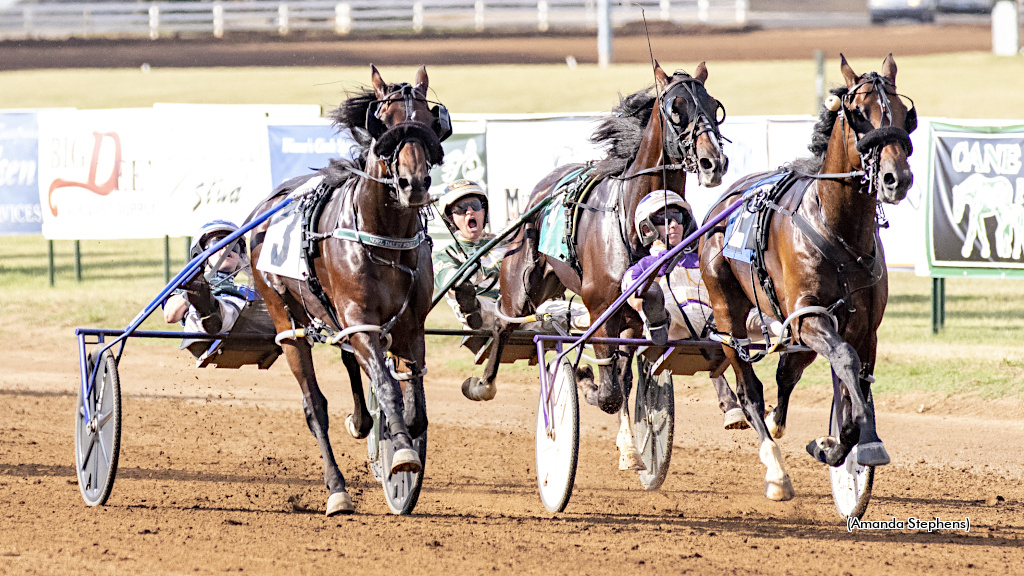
(407, 136)
(880, 123)
(690, 118)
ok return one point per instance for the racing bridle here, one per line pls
(388, 142)
(868, 140)
(680, 144)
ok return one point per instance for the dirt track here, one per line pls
(680, 45)
(219, 473)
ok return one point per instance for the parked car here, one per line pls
(882, 10)
(966, 6)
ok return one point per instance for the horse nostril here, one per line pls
(889, 180)
(706, 164)
(403, 183)
(426, 182)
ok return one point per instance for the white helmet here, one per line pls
(657, 200)
(458, 190)
(220, 228)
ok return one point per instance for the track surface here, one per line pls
(679, 45)
(219, 473)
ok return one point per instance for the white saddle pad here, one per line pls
(282, 245)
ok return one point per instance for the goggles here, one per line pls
(466, 205)
(659, 218)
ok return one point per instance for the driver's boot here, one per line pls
(465, 296)
(655, 314)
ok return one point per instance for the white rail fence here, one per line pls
(161, 19)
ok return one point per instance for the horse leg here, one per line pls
(791, 368)
(389, 396)
(485, 388)
(359, 422)
(730, 406)
(629, 456)
(314, 405)
(819, 334)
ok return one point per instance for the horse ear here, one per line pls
(660, 77)
(422, 82)
(701, 73)
(889, 69)
(380, 87)
(848, 74)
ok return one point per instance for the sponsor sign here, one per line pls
(20, 212)
(976, 211)
(297, 150)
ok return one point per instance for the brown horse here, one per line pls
(370, 280)
(653, 140)
(822, 266)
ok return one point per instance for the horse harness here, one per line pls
(576, 187)
(847, 262)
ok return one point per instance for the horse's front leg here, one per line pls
(629, 456)
(368, 351)
(314, 405)
(859, 429)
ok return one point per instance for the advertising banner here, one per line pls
(522, 152)
(20, 212)
(96, 175)
(297, 150)
(976, 211)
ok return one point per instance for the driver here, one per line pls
(676, 306)
(213, 302)
(474, 301)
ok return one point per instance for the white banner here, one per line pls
(96, 177)
(520, 153)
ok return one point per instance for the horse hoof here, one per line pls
(340, 503)
(351, 427)
(475, 389)
(779, 491)
(774, 428)
(735, 420)
(872, 454)
(406, 460)
(609, 398)
(630, 460)
(819, 447)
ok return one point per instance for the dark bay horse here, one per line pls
(371, 277)
(653, 139)
(823, 266)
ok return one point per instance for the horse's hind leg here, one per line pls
(359, 422)
(729, 404)
(300, 359)
(818, 333)
(791, 368)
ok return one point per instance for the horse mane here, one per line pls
(622, 132)
(351, 114)
(820, 136)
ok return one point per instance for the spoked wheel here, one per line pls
(558, 438)
(653, 423)
(851, 482)
(98, 437)
(402, 490)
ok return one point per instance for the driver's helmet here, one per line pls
(653, 202)
(458, 190)
(210, 233)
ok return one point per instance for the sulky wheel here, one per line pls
(851, 482)
(401, 490)
(654, 419)
(98, 434)
(558, 438)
